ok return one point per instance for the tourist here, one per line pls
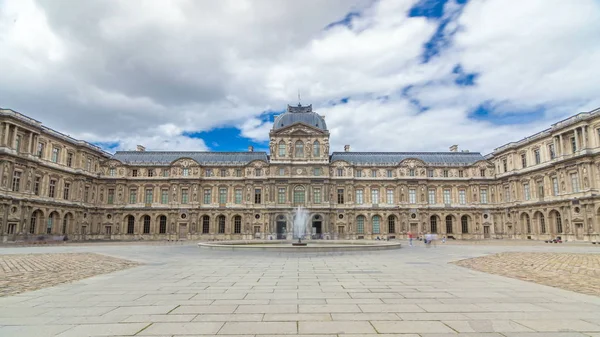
(444, 239)
(410, 237)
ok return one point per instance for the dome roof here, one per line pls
(299, 114)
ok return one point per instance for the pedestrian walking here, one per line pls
(410, 238)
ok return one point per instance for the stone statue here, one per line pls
(272, 146)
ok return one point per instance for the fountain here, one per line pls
(300, 225)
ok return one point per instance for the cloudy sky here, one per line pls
(389, 75)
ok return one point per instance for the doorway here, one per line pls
(414, 228)
(281, 229)
(83, 232)
(486, 232)
(182, 231)
(107, 232)
(579, 231)
(317, 230)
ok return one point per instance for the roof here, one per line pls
(299, 114)
(158, 158)
(393, 158)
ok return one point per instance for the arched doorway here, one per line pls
(281, 227)
(317, 227)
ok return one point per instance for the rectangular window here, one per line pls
(207, 196)
(540, 189)
(360, 225)
(390, 196)
(445, 173)
(430, 173)
(317, 171)
(258, 172)
(358, 173)
(483, 197)
(482, 172)
(134, 173)
(461, 173)
(222, 195)
(70, 159)
(16, 182)
(555, 186)
(462, 197)
(205, 224)
(340, 196)
(133, 196)
(374, 196)
(526, 192)
(40, 150)
(536, 154)
(223, 173)
(298, 196)
(573, 144)
(52, 188)
(373, 173)
(447, 197)
(238, 172)
(282, 149)
(164, 196)
(165, 172)
(186, 172)
(18, 144)
(505, 165)
(111, 196)
(257, 196)
(317, 195)
(359, 196)
(88, 166)
(112, 171)
(506, 194)
(184, 196)
(281, 171)
(575, 182)
(412, 196)
(281, 195)
(551, 150)
(237, 225)
(36, 186)
(523, 160)
(55, 154)
(208, 173)
(411, 172)
(148, 198)
(150, 172)
(431, 196)
(66, 188)
(238, 196)
(390, 173)
(86, 194)
(340, 172)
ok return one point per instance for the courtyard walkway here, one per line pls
(182, 290)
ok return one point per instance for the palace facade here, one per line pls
(541, 187)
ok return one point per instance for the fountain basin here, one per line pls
(292, 246)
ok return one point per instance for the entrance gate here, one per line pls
(281, 229)
(486, 232)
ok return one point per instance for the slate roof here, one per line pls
(393, 158)
(299, 114)
(152, 158)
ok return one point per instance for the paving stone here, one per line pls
(234, 328)
(337, 327)
(188, 328)
(487, 326)
(296, 317)
(411, 327)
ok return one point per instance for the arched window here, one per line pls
(205, 224)
(464, 222)
(237, 224)
(162, 224)
(392, 224)
(282, 149)
(299, 149)
(542, 224)
(527, 223)
(559, 228)
(33, 222)
(449, 224)
(376, 224)
(433, 223)
(130, 224)
(66, 221)
(51, 219)
(221, 222)
(299, 195)
(316, 149)
(146, 224)
(360, 224)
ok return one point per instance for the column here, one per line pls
(584, 137)
(30, 147)
(560, 145)
(6, 132)
(13, 142)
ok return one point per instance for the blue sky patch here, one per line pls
(462, 78)
(107, 146)
(225, 139)
(485, 112)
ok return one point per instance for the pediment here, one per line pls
(299, 129)
(412, 163)
(185, 162)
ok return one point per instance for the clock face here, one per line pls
(299, 171)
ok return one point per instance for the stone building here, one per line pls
(540, 187)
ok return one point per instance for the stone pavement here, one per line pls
(188, 291)
(575, 272)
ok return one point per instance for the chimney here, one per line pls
(250, 148)
(346, 148)
(454, 148)
(140, 148)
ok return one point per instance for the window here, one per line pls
(411, 172)
(148, 198)
(340, 172)
(88, 166)
(205, 224)
(281, 195)
(258, 172)
(445, 173)
(573, 145)
(36, 186)
(527, 224)
(164, 196)
(359, 196)
(134, 173)
(555, 186)
(317, 171)
(447, 198)
(281, 171)
(375, 196)
(376, 224)
(551, 150)
(281, 149)
(373, 173)
(299, 195)
(461, 173)
(449, 224)
(390, 173)
(257, 196)
(186, 172)
(390, 196)
(523, 160)
(317, 195)
(360, 224)
(70, 159)
(18, 144)
(40, 150)
(431, 196)
(133, 196)
(462, 197)
(221, 224)
(165, 172)
(412, 196)
(430, 173)
(238, 172)
(392, 224)
(559, 228)
(222, 195)
(162, 224)
(238, 196)
(237, 224)
(50, 224)
(150, 172)
(65, 223)
(16, 181)
(146, 224)
(223, 173)
(55, 154)
(540, 189)
(483, 197)
(542, 224)
(433, 223)
(86, 194)
(358, 173)
(506, 193)
(505, 165)
(464, 224)
(316, 149)
(33, 222)
(112, 171)
(52, 188)
(208, 173)
(482, 172)
(111, 196)
(575, 182)
(340, 196)
(130, 224)
(526, 192)
(184, 196)
(207, 196)
(299, 150)
(536, 154)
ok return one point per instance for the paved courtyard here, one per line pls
(187, 291)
